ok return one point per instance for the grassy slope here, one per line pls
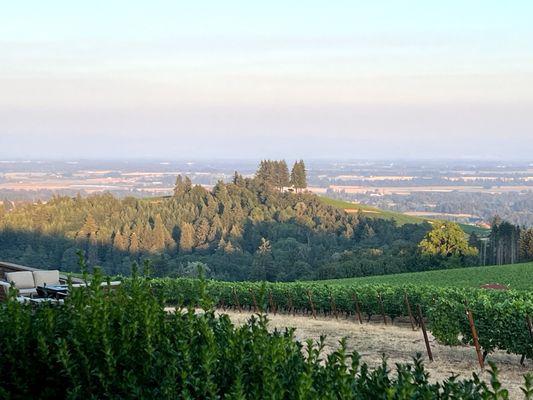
(516, 276)
(399, 217)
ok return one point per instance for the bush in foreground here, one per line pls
(123, 344)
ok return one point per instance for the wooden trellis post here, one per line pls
(357, 309)
(424, 332)
(333, 306)
(382, 309)
(529, 326)
(411, 319)
(291, 306)
(530, 329)
(474, 335)
(253, 299)
(309, 295)
(273, 306)
(236, 298)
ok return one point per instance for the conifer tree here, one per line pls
(266, 173)
(282, 174)
(118, 241)
(238, 179)
(182, 186)
(264, 247)
(88, 229)
(298, 176)
(134, 243)
(201, 232)
(186, 237)
(526, 245)
(161, 236)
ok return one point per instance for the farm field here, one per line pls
(400, 218)
(399, 344)
(373, 211)
(515, 276)
(431, 188)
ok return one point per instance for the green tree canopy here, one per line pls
(446, 239)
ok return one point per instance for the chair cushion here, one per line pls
(22, 299)
(27, 292)
(112, 283)
(77, 285)
(44, 301)
(46, 277)
(21, 279)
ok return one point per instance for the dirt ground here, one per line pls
(400, 344)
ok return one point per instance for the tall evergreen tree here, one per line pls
(266, 173)
(134, 243)
(504, 242)
(202, 232)
(161, 236)
(182, 186)
(88, 229)
(298, 176)
(238, 179)
(282, 174)
(526, 245)
(186, 237)
(119, 242)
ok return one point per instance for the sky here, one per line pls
(247, 79)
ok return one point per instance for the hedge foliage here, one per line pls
(123, 345)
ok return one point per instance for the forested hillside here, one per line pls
(267, 227)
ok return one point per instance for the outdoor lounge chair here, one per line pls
(26, 282)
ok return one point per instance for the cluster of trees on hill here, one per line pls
(506, 244)
(245, 229)
(276, 174)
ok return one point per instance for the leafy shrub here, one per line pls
(123, 344)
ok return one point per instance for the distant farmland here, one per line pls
(400, 218)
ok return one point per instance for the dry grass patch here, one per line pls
(400, 344)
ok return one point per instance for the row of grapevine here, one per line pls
(502, 318)
(122, 344)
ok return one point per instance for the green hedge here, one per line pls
(123, 345)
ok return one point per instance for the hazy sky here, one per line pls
(251, 79)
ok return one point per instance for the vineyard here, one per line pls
(513, 276)
(488, 319)
(123, 344)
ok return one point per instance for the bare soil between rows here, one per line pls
(399, 343)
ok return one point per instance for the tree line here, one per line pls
(276, 174)
(507, 244)
(247, 229)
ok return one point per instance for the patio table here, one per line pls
(53, 291)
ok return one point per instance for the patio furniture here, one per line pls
(41, 300)
(22, 281)
(26, 282)
(31, 283)
(53, 291)
(46, 278)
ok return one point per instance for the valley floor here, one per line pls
(399, 343)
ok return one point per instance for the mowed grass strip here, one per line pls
(514, 276)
